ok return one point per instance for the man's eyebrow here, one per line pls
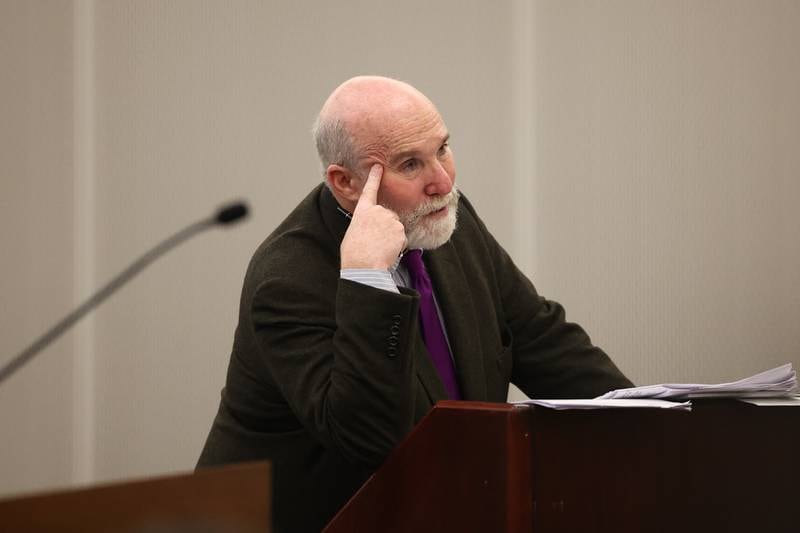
(408, 153)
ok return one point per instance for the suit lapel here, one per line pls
(452, 292)
(427, 373)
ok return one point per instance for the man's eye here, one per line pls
(443, 148)
(409, 166)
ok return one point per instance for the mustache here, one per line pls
(434, 204)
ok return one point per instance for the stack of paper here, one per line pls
(606, 404)
(780, 381)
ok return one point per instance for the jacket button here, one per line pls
(392, 341)
(395, 329)
(392, 351)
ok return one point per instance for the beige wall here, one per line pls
(667, 177)
(639, 159)
(36, 232)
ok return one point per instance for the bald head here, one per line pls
(359, 117)
(369, 99)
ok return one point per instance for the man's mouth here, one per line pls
(438, 213)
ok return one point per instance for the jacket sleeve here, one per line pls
(343, 363)
(552, 358)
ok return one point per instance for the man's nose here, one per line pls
(439, 182)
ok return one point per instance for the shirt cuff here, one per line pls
(379, 279)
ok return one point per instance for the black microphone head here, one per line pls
(231, 213)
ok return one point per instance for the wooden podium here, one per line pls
(232, 499)
(469, 467)
(725, 466)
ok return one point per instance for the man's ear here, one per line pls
(345, 185)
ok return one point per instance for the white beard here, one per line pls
(429, 234)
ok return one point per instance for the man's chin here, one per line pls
(429, 235)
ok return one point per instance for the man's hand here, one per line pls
(376, 236)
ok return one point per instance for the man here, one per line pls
(335, 357)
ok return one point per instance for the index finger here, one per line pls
(369, 194)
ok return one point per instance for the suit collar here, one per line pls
(334, 220)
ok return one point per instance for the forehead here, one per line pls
(406, 128)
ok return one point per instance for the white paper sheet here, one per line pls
(779, 381)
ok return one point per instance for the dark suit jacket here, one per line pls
(326, 375)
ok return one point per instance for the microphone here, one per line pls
(224, 216)
(230, 213)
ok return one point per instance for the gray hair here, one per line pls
(335, 146)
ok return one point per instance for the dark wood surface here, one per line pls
(233, 499)
(725, 466)
(461, 469)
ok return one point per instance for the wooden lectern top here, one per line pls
(231, 499)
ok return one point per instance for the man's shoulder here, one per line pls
(474, 243)
(304, 243)
(469, 225)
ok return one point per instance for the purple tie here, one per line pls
(432, 331)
